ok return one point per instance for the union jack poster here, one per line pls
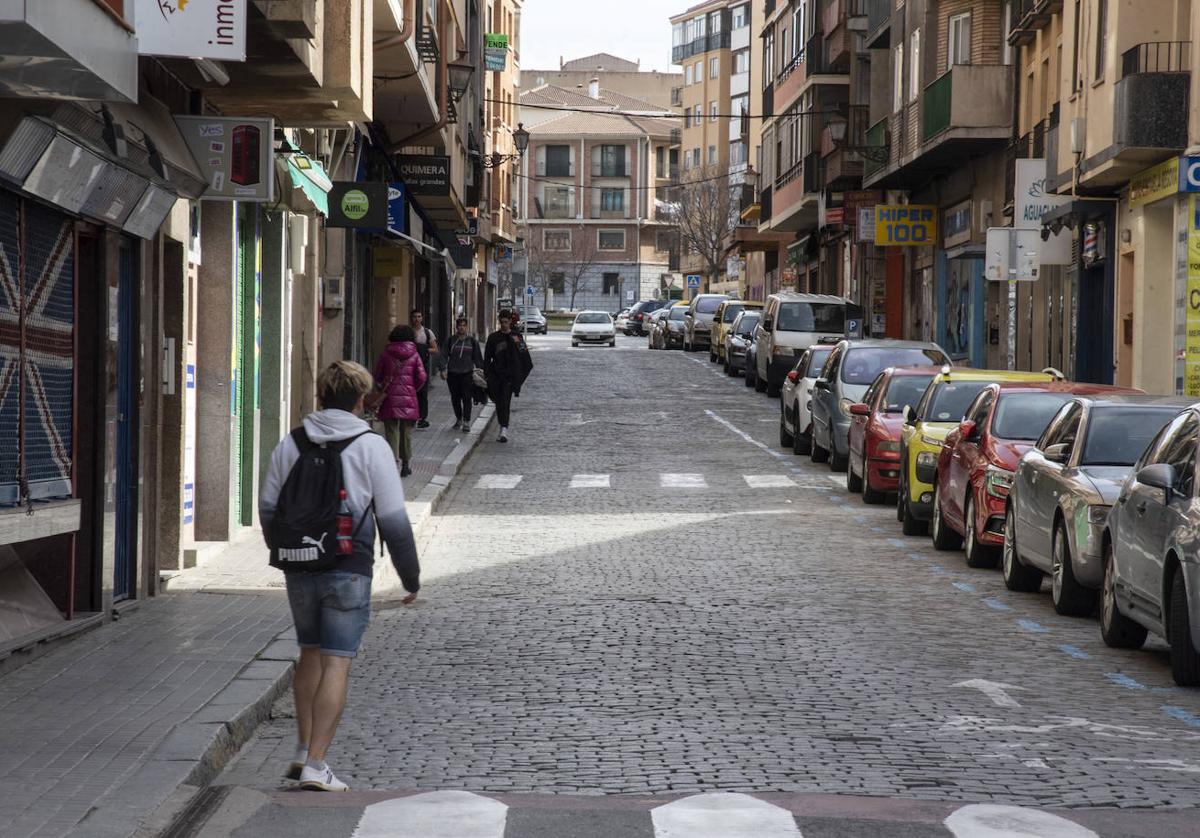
(37, 305)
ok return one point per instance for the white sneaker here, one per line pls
(503, 435)
(321, 779)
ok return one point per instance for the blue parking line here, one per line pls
(1075, 652)
(860, 519)
(916, 558)
(992, 602)
(939, 570)
(965, 586)
(1124, 681)
(878, 529)
(1182, 715)
(1030, 625)
(896, 542)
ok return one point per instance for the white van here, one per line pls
(791, 323)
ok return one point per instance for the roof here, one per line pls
(552, 94)
(992, 376)
(796, 296)
(598, 123)
(602, 61)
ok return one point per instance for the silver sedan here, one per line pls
(1064, 488)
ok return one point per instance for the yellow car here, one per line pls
(940, 411)
(723, 318)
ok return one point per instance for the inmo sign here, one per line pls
(214, 29)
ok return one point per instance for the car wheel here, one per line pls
(712, 356)
(870, 495)
(901, 493)
(910, 524)
(611, 344)
(750, 370)
(1117, 630)
(854, 483)
(786, 438)
(760, 384)
(978, 555)
(1185, 659)
(1018, 576)
(1069, 597)
(815, 452)
(944, 538)
(773, 390)
(837, 462)
(575, 344)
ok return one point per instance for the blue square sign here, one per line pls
(693, 280)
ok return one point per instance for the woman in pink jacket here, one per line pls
(399, 375)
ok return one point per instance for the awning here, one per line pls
(309, 177)
(1074, 213)
(970, 250)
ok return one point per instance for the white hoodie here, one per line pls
(369, 472)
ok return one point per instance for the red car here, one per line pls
(875, 425)
(978, 459)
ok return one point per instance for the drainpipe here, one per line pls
(406, 31)
(1194, 92)
(443, 84)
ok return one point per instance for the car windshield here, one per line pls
(530, 312)
(817, 362)
(730, 313)
(1117, 437)
(593, 317)
(707, 305)
(811, 317)
(1024, 416)
(863, 365)
(951, 400)
(678, 312)
(905, 390)
(747, 324)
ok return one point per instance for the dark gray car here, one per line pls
(738, 338)
(851, 368)
(1064, 487)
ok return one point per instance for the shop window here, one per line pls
(612, 284)
(610, 239)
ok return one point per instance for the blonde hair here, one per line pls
(341, 384)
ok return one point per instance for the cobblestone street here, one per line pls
(640, 595)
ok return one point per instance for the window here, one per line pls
(1118, 437)
(905, 391)
(714, 22)
(1023, 416)
(610, 239)
(558, 202)
(865, 363)
(824, 318)
(978, 413)
(914, 66)
(612, 200)
(698, 115)
(712, 111)
(950, 401)
(612, 284)
(1075, 47)
(712, 155)
(741, 16)
(699, 72)
(558, 282)
(959, 46)
(660, 161)
(612, 161)
(898, 78)
(687, 159)
(1064, 427)
(1008, 22)
(1101, 36)
(697, 162)
(664, 241)
(798, 28)
(737, 153)
(556, 239)
(714, 67)
(687, 74)
(558, 160)
(768, 60)
(741, 61)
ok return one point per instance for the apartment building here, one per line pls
(620, 76)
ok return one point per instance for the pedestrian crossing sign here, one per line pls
(693, 280)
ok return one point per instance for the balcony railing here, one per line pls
(676, 136)
(879, 18)
(1157, 57)
(935, 114)
(610, 170)
(705, 43)
(764, 205)
(876, 138)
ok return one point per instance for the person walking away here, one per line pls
(400, 375)
(327, 485)
(427, 347)
(463, 355)
(502, 367)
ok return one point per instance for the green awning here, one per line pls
(309, 176)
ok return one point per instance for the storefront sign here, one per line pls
(866, 224)
(495, 60)
(495, 40)
(213, 29)
(835, 215)
(857, 199)
(397, 209)
(425, 174)
(234, 155)
(1189, 174)
(388, 261)
(1191, 374)
(359, 205)
(905, 225)
(1154, 184)
(958, 224)
(1031, 202)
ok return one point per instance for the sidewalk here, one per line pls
(99, 733)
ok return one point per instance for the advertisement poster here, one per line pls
(189, 445)
(1191, 375)
(214, 29)
(234, 155)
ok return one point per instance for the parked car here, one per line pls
(737, 340)
(851, 368)
(1064, 488)
(795, 399)
(653, 332)
(639, 315)
(1151, 544)
(791, 323)
(670, 327)
(941, 408)
(697, 327)
(593, 327)
(976, 464)
(723, 319)
(875, 427)
(532, 319)
(621, 321)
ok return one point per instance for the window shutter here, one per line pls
(541, 160)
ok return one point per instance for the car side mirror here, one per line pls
(793, 376)
(860, 410)
(910, 415)
(1159, 476)
(967, 430)
(767, 323)
(1058, 453)
(822, 384)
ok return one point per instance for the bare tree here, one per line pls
(705, 216)
(573, 265)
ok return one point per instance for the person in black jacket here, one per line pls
(462, 355)
(503, 368)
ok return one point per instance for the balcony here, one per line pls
(796, 196)
(843, 167)
(1151, 99)
(610, 170)
(877, 137)
(698, 46)
(676, 136)
(879, 24)
(836, 24)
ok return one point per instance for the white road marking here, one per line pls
(723, 815)
(768, 481)
(498, 481)
(591, 481)
(997, 692)
(986, 820)
(435, 814)
(682, 481)
(766, 449)
(836, 479)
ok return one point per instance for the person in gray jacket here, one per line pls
(463, 356)
(331, 608)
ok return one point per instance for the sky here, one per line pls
(633, 29)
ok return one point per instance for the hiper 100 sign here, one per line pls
(905, 225)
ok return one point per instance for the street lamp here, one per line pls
(521, 139)
(460, 78)
(838, 126)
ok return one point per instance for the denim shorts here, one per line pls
(331, 610)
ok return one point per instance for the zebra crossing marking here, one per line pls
(499, 481)
(682, 481)
(434, 814)
(723, 815)
(768, 481)
(988, 820)
(591, 481)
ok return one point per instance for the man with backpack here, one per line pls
(328, 484)
(427, 348)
